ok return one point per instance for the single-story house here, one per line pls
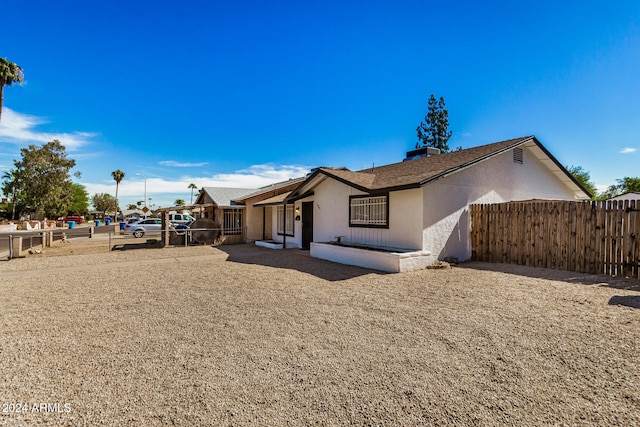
(414, 212)
(258, 218)
(133, 213)
(627, 196)
(234, 210)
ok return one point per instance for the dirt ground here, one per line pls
(240, 335)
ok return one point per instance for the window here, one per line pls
(369, 211)
(281, 220)
(232, 222)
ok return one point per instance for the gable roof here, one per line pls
(222, 196)
(275, 200)
(631, 195)
(272, 189)
(418, 172)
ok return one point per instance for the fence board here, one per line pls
(634, 220)
(590, 237)
(599, 242)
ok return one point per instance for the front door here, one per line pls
(307, 224)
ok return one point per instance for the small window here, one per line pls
(289, 220)
(517, 155)
(369, 211)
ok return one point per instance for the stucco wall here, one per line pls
(254, 220)
(447, 224)
(405, 218)
(331, 212)
(331, 217)
(296, 239)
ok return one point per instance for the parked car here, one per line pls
(133, 220)
(139, 228)
(181, 218)
(73, 218)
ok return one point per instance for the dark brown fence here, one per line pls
(589, 237)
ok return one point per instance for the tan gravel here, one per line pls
(241, 335)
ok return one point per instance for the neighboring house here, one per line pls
(217, 204)
(133, 213)
(418, 207)
(234, 210)
(258, 218)
(627, 196)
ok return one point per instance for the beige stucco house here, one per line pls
(233, 209)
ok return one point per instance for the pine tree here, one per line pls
(433, 131)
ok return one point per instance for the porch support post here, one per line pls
(284, 226)
(264, 222)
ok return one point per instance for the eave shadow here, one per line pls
(148, 244)
(294, 259)
(632, 301)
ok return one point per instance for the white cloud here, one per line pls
(18, 128)
(628, 150)
(164, 191)
(182, 164)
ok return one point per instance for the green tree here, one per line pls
(10, 189)
(584, 178)
(433, 131)
(10, 74)
(179, 202)
(623, 186)
(80, 203)
(132, 206)
(42, 179)
(104, 202)
(192, 187)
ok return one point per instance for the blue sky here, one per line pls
(245, 93)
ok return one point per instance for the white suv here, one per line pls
(180, 218)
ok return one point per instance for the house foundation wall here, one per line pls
(391, 262)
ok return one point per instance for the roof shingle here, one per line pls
(416, 172)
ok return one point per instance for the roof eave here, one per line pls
(478, 160)
(562, 168)
(523, 141)
(299, 190)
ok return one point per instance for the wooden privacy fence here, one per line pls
(589, 237)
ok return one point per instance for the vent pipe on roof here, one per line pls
(422, 152)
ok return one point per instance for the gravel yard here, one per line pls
(239, 335)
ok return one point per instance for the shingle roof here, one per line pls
(275, 200)
(293, 182)
(417, 172)
(222, 196)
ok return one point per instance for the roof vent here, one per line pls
(422, 152)
(517, 155)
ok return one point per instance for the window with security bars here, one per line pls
(289, 220)
(369, 211)
(232, 222)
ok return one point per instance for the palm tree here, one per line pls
(179, 202)
(10, 73)
(118, 176)
(192, 186)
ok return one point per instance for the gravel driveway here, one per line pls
(241, 335)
